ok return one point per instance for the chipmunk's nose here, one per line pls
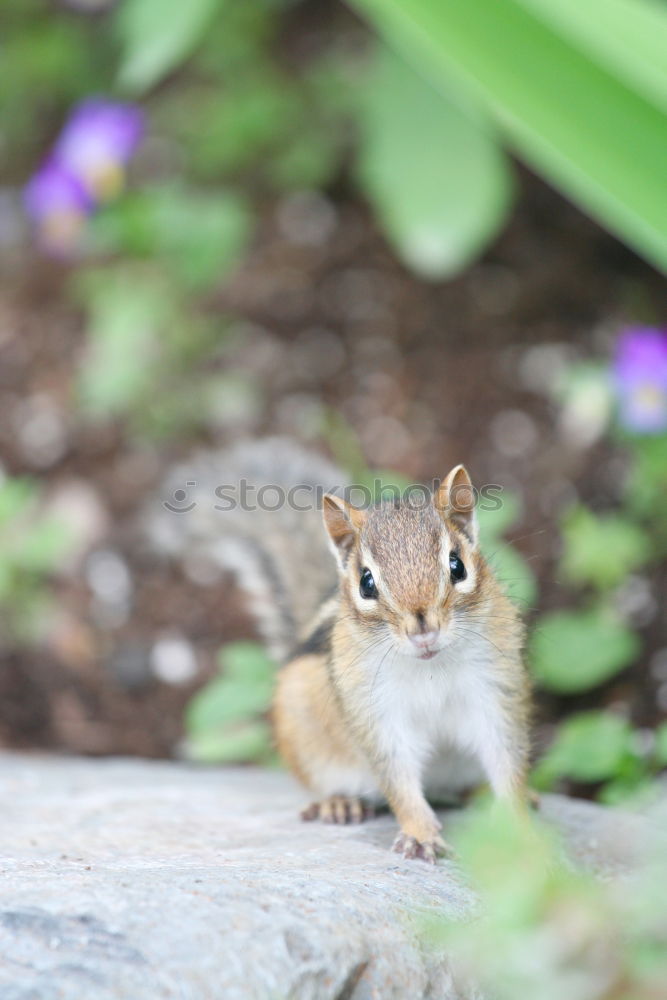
(424, 640)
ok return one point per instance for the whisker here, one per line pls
(389, 649)
(484, 638)
(529, 534)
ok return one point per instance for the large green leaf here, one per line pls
(573, 118)
(629, 37)
(431, 167)
(574, 651)
(156, 36)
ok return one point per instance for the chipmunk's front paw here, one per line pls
(426, 850)
(338, 809)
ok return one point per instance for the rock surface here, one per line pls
(130, 880)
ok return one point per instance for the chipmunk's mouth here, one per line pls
(428, 654)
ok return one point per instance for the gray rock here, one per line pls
(129, 880)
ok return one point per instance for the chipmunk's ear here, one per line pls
(455, 500)
(343, 523)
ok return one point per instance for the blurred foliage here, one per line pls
(578, 650)
(573, 651)
(33, 546)
(647, 484)
(50, 59)
(240, 122)
(600, 747)
(226, 720)
(547, 929)
(601, 551)
(239, 109)
(231, 119)
(542, 71)
(197, 236)
(152, 43)
(591, 746)
(142, 338)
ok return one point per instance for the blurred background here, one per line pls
(407, 239)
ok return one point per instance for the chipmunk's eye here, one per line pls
(367, 587)
(456, 568)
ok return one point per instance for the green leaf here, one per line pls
(601, 551)
(242, 691)
(156, 37)
(631, 792)
(647, 484)
(238, 127)
(589, 747)
(586, 126)
(432, 169)
(246, 741)
(629, 37)
(225, 700)
(127, 311)
(222, 719)
(247, 662)
(203, 234)
(575, 651)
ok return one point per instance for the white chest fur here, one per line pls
(437, 715)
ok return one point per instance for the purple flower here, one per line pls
(640, 372)
(97, 142)
(58, 205)
(86, 166)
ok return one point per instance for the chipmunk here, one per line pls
(405, 674)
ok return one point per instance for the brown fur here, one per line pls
(406, 543)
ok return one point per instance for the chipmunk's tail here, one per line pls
(254, 510)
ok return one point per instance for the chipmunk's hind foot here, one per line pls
(427, 851)
(338, 809)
